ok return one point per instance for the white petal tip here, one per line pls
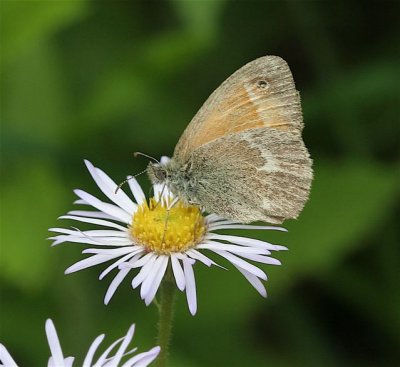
(157, 349)
(164, 159)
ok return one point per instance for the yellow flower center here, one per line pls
(163, 231)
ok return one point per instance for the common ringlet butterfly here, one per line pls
(242, 155)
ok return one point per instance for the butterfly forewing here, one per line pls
(260, 94)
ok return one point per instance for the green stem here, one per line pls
(166, 310)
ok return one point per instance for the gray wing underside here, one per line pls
(259, 174)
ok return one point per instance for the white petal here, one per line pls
(99, 222)
(114, 284)
(92, 350)
(211, 245)
(140, 262)
(111, 241)
(118, 262)
(137, 191)
(105, 233)
(103, 358)
(81, 240)
(253, 280)
(178, 272)
(112, 251)
(69, 361)
(143, 359)
(243, 264)
(202, 258)
(110, 189)
(51, 363)
(80, 237)
(157, 280)
(261, 259)
(90, 214)
(121, 350)
(81, 202)
(5, 357)
(190, 286)
(244, 241)
(107, 208)
(151, 275)
(180, 255)
(54, 343)
(164, 159)
(144, 271)
(88, 262)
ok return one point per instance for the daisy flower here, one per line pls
(153, 237)
(112, 357)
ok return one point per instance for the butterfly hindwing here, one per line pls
(258, 174)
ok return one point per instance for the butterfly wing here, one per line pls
(257, 174)
(244, 150)
(260, 94)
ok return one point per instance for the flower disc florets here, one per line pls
(163, 229)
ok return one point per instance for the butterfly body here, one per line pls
(242, 156)
(179, 178)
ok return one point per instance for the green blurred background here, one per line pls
(100, 80)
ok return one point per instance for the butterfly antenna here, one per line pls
(145, 155)
(129, 178)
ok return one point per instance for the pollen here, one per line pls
(165, 231)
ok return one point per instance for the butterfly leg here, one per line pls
(160, 196)
(169, 207)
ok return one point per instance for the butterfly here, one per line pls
(242, 156)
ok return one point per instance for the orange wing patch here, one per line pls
(241, 110)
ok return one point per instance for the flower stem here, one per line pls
(166, 310)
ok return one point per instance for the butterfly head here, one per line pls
(157, 172)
